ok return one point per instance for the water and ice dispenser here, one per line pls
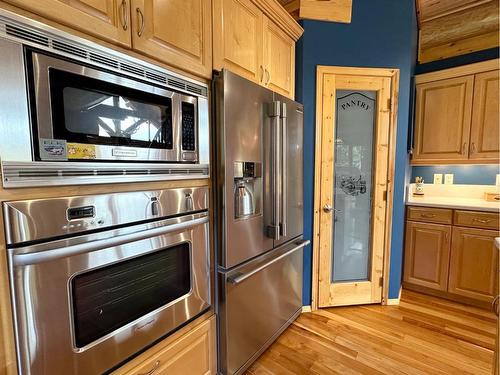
(247, 189)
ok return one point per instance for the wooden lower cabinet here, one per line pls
(192, 353)
(427, 254)
(473, 264)
(458, 260)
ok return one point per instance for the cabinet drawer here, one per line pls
(429, 215)
(486, 220)
(192, 353)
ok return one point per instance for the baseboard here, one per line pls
(394, 301)
(306, 309)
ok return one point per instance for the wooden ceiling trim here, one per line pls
(322, 10)
(455, 27)
(428, 10)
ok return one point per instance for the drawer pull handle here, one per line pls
(428, 216)
(482, 221)
(156, 366)
(494, 304)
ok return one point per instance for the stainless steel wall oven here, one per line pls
(96, 279)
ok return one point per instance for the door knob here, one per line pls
(327, 208)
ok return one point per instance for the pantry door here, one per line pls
(353, 186)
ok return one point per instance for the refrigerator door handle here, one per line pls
(273, 230)
(284, 187)
(241, 277)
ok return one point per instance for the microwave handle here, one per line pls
(87, 247)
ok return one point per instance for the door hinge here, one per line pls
(389, 104)
(381, 281)
(384, 195)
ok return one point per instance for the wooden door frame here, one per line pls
(393, 74)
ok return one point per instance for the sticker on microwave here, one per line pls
(53, 149)
(81, 151)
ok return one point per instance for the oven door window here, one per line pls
(90, 111)
(111, 297)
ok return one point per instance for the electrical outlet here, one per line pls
(498, 179)
(448, 179)
(438, 178)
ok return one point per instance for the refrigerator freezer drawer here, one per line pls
(258, 301)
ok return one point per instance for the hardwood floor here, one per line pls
(423, 335)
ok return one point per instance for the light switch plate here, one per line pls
(448, 179)
(438, 178)
(498, 179)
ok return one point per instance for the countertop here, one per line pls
(454, 202)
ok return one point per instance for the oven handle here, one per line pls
(240, 278)
(87, 247)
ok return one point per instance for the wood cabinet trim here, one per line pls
(464, 70)
(281, 17)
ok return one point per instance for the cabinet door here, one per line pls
(474, 263)
(279, 60)
(442, 122)
(484, 130)
(177, 32)
(427, 250)
(105, 19)
(238, 41)
(193, 353)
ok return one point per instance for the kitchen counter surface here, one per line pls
(461, 197)
(454, 202)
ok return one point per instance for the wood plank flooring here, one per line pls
(423, 335)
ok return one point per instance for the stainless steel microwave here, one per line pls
(79, 112)
(72, 107)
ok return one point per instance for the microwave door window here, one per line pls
(96, 112)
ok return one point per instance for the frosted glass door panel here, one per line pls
(353, 171)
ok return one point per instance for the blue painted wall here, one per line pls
(463, 174)
(383, 33)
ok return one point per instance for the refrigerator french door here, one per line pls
(259, 200)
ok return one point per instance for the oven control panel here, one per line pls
(188, 127)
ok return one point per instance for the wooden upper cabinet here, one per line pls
(256, 40)
(485, 119)
(238, 39)
(474, 264)
(427, 255)
(443, 118)
(279, 60)
(177, 32)
(105, 19)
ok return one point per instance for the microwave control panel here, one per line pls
(188, 127)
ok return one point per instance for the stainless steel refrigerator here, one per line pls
(259, 217)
